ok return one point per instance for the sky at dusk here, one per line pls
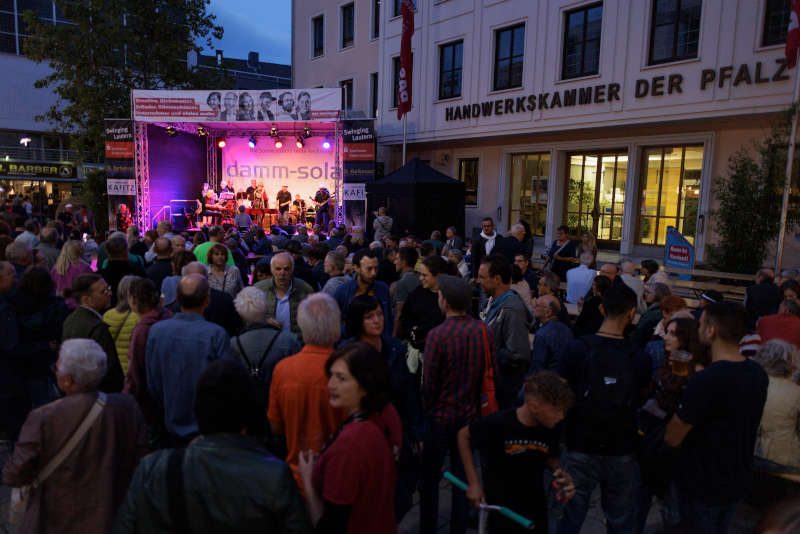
(262, 26)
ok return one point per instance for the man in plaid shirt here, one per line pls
(451, 389)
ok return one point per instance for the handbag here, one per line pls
(488, 388)
(20, 497)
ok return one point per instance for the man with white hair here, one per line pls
(107, 453)
(512, 245)
(284, 293)
(299, 402)
(634, 282)
(178, 350)
(261, 345)
(579, 279)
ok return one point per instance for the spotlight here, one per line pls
(170, 131)
(252, 142)
(273, 132)
(25, 141)
(306, 132)
(278, 143)
(326, 144)
(221, 143)
(300, 143)
(202, 131)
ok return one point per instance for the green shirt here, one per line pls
(201, 252)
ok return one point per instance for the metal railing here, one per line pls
(37, 154)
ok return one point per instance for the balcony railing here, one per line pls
(37, 154)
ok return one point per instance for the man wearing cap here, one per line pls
(708, 297)
(284, 198)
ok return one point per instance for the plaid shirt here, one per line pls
(453, 372)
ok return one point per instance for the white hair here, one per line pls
(251, 305)
(628, 267)
(84, 361)
(375, 245)
(195, 267)
(281, 255)
(517, 227)
(319, 319)
(587, 257)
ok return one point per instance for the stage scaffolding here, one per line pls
(142, 169)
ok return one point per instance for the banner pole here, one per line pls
(405, 120)
(787, 184)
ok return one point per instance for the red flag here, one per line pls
(404, 84)
(793, 35)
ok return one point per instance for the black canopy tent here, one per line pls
(419, 199)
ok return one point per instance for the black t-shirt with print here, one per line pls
(516, 455)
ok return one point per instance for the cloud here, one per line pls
(255, 25)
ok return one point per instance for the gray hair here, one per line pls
(251, 305)
(659, 291)
(376, 245)
(777, 357)
(48, 235)
(628, 267)
(83, 360)
(281, 255)
(517, 227)
(337, 260)
(587, 257)
(195, 267)
(17, 252)
(122, 292)
(458, 253)
(320, 320)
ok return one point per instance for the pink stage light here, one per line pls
(221, 143)
(278, 143)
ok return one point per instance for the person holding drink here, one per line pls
(519, 444)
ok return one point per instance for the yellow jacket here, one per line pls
(121, 324)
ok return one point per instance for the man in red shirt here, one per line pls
(299, 402)
(783, 325)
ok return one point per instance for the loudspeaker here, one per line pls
(178, 223)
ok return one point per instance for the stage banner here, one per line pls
(302, 170)
(279, 105)
(120, 174)
(678, 252)
(355, 205)
(358, 154)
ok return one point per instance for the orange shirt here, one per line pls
(300, 403)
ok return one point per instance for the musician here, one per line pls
(225, 188)
(299, 204)
(251, 191)
(321, 201)
(207, 208)
(258, 200)
(284, 198)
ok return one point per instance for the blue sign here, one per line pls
(678, 252)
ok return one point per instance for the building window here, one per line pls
(348, 16)
(373, 89)
(670, 192)
(509, 51)
(396, 78)
(596, 194)
(376, 19)
(675, 30)
(450, 56)
(582, 41)
(347, 94)
(318, 24)
(776, 21)
(530, 174)
(396, 4)
(468, 173)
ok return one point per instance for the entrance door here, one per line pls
(596, 195)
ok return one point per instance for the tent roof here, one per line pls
(416, 172)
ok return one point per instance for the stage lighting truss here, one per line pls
(252, 142)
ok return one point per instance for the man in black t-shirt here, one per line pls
(716, 424)
(284, 198)
(610, 377)
(518, 445)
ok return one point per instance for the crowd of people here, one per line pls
(234, 380)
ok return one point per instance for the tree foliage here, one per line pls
(750, 197)
(111, 47)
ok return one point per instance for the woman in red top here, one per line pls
(350, 485)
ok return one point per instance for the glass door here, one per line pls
(596, 195)
(530, 174)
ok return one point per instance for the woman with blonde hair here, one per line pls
(588, 244)
(68, 267)
(121, 320)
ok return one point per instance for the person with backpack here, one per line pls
(261, 345)
(610, 377)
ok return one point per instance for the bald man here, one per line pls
(178, 350)
(552, 336)
(162, 265)
(220, 309)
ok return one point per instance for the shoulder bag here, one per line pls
(20, 497)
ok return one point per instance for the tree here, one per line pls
(111, 47)
(748, 217)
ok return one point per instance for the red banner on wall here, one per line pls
(404, 83)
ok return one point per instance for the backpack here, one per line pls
(606, 390)
(257, 371)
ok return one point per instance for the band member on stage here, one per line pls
(284, 198)
(321, 201)
(250, 191)
(299, 204)
(225, 188)
(259, 201)
(207, 208)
